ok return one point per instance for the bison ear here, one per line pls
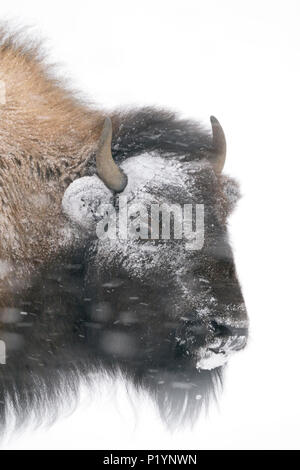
(218, 152)
(108, 171)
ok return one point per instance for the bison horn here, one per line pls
(219, 145)
(108, 171)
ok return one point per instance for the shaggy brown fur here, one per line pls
(46, 139)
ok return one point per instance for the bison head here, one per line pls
(166, 234)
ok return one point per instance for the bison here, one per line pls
(75, 302)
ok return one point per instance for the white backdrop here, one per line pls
(238, 60)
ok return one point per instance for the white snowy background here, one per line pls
(238, 60)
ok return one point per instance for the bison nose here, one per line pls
(225, 341)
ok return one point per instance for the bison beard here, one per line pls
(74, 307)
